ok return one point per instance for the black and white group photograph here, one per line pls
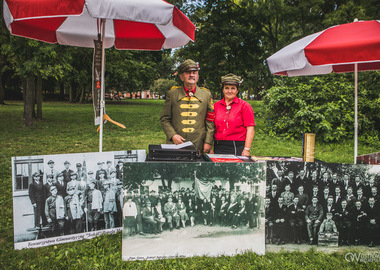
(192, 209)
(322, 205)
(69, 197)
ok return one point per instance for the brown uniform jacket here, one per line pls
(192, 118)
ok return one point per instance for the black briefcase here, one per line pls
(156, 153)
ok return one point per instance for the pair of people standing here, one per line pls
(190, 115)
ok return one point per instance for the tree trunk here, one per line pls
(61, 91)
(29, 101)
(2, 93)
(82, 95)
(39, 98)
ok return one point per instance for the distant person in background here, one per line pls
(234, 120)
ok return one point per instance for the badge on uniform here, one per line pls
(228, 107)
(191, 94)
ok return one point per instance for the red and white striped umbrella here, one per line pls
(126, 24)
(350, 47)
(335, 49)
(130, 24)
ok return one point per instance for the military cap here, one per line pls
(52, 188)
(119, 183)
(70, 188)
(92, 181)
(36, 174)
(90, 172)
(66, 162)
(79, 165)
(73, 173)
(231, 79)
(102, 171)
(50, 161)
(60, 174)
(100, 163)
(188, 65)
(50, 176)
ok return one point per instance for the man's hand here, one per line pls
(178, 139)
(206, 148)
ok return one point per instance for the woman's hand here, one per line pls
(245, 153)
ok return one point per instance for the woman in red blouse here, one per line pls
(234, 120)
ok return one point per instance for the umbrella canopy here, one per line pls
(335, 49)
(130, 24)
(350, 47)
(126, 24)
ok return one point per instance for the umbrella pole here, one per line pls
(102, 101)
(356, 113)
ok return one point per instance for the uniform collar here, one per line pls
(235, 100)
(200, 95)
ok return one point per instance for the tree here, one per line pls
(163, 85)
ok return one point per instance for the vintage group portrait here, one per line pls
(322, 204)
(192, 209)
(68, 197)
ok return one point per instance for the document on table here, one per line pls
(176, 146)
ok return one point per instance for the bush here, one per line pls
(323, 105)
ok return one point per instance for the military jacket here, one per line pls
(192, 118)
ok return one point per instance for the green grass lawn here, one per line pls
(69, 128)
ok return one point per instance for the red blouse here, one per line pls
(231, 125)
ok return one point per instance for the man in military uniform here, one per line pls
(188, 112)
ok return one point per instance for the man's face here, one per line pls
(358, 204)
(53, 192)
(51, 165)
(290, 175)
(360, 192)
(335, 177)
(374, 190)
(357, 179)
(302, 173)
(274, 187)
(267, 202)
(314, 201)
(371, 201)
(295, 200)
(344, 204)
(330, 201)
(67, 166)
(190, 77)
(280, 173)
(337, 190)
(280, 200)
(300, 190)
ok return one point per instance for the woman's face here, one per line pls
(230, 91)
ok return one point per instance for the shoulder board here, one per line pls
(205, 89)
(175, 87)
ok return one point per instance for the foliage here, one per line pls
(163, 85)
(322, 105)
